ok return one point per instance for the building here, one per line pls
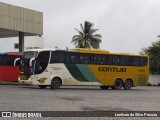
(19, 22)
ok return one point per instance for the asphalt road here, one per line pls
(15, 97)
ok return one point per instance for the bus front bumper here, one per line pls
(25, 82)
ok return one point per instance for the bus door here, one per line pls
(41, 64)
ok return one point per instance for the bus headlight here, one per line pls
(30, 78)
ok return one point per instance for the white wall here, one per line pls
(154, 79)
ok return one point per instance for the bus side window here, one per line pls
(11, 60)
(113, 60)
(110, 60)
(8, 60)
(54, 57)
(116, 60)
(4, 61)
(82, 59)
(129, 61)
(143, 61)
(68, 58)
(122, 61)
(57, 57)
(96, 59)
(89, 59)
(86, 59)
(74, 58)
(133, 61)
(136, 61)
(99, 59)
(1, 60)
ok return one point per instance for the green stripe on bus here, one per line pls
(85, 70)
(81, 72)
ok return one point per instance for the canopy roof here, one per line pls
(14, 19)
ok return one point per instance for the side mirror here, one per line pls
(16, 60)
(30, 62)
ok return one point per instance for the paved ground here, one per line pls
(14, 97)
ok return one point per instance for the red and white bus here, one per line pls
(9, 71)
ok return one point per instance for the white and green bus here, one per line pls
(54, 68)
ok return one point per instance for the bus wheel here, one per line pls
(56, 83)
(127, 84)
(42, 86)
(117, 84)
(104, 87)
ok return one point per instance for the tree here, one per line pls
(87, 37)
(153, 52)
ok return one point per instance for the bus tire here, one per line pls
(42, 86)
(128, 84)
(117, 84)
(55, 83)
(104, 87)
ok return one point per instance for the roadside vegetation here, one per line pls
(87, 37)
(153, 52)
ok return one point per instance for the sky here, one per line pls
(125, 25)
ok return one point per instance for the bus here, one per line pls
(44, 67)
(9, 71)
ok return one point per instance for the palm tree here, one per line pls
(86, 37)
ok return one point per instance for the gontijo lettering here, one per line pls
(111, 69)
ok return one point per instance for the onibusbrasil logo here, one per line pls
(21, 114)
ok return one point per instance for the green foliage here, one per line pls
(153, 52)
(86, 37)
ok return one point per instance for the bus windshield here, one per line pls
(29, 55)
(25, 67)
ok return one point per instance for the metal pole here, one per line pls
(21, 41)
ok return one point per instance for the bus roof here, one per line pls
(39, 50)
(104, 52)
(129, 54)
(90, 50)
(11, 53)
(3, 53)
(82, 50)
(15, 53)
